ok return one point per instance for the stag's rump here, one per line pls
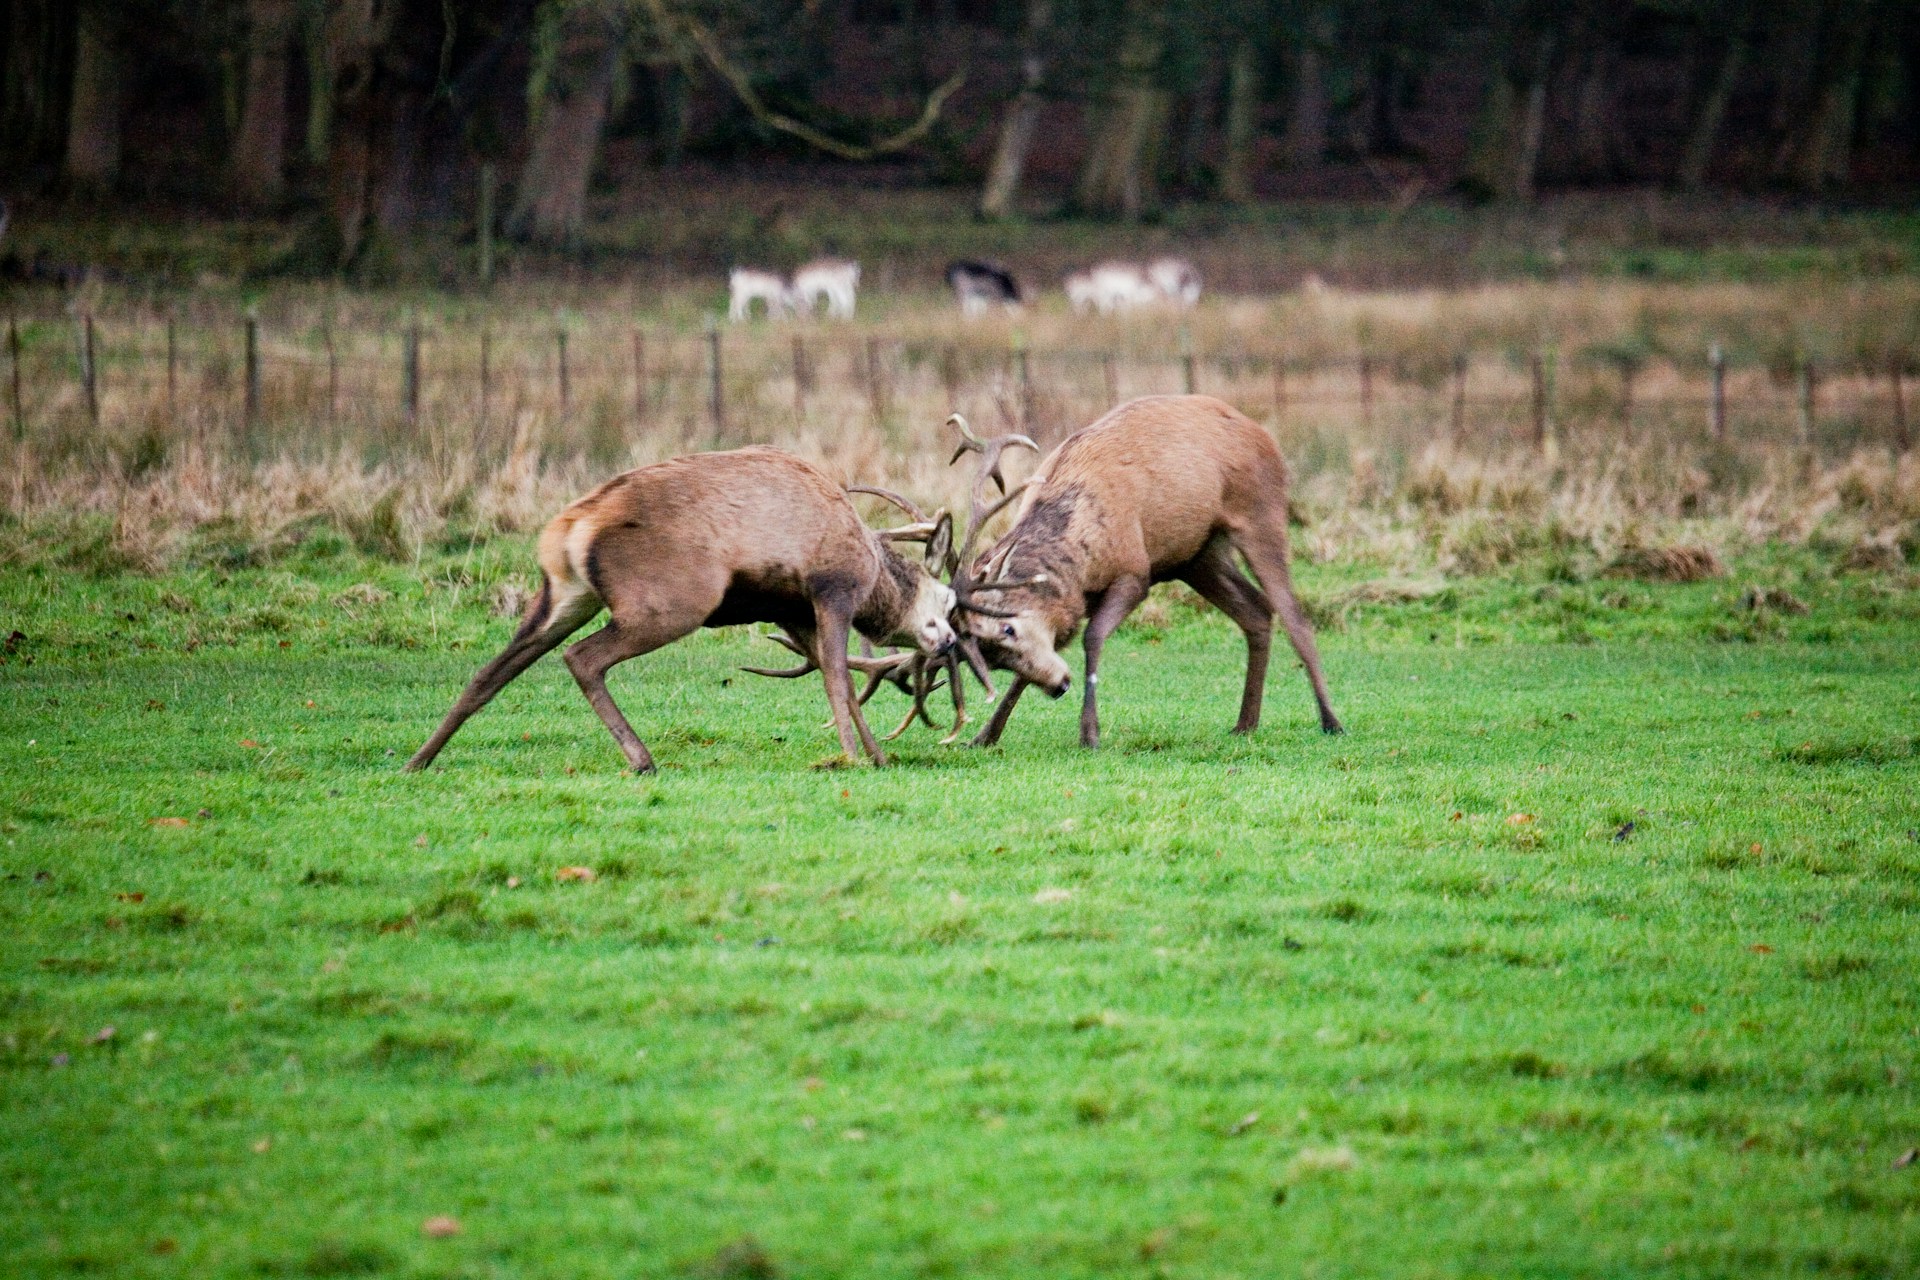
(741, 536)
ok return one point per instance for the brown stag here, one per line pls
(1163, 488)
(717, 540)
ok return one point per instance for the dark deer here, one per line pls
(1164, 488)
(717, 540)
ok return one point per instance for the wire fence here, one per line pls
(598, 388)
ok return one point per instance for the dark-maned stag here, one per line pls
(716, 540)
(1163, 488)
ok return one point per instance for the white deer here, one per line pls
(1111, 287)
(828, 278)
(745, 286)
(1177, 280)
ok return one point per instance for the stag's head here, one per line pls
(923, 609)
(1014, 623)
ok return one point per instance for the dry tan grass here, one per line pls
(1382, 475)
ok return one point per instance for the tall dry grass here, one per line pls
(1582, 423)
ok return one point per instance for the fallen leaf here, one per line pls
(129, 897)
(1761, 948)
(309, 701)
(420, 841)
(1457, 815)
(1754, 848)
(813, 1084)
(1906, 1157)
(204, 813)
(513, 882)
(165, 1245)
(249, 743)
(166, 822)
(1243, 1124)
(1519, 819)
(440, 1227)
(101, 1036)
(855, 1135)
(263, 1146)
(1047, 897)
(584, 874)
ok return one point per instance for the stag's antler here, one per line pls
(981, 511)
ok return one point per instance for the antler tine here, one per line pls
(957, 689)
(1010, 584)
(884, 667)
(980, 518)
(904, 504)
(921, 532)
(783, 673)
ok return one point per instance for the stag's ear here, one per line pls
(940, 544)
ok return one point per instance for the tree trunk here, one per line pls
(1820, 153)
(319, 93)
(1021, 118)
(1593, 116)
(1532, 125)
(1197, 129)
(259, 152)
(1713, 113)
(1243, 123)
(93, 121)
(1306, 140)
(357, 30)
(550, 204)
(1118, 174)
(37, 37)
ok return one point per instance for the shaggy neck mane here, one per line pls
(892, 596)
(1044, 542)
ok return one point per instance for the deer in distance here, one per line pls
(1162, 488)
(716, 540)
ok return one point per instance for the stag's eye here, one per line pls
(1007, 631)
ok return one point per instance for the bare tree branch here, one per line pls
(737, 79)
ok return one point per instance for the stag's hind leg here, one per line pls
(1264, 544)
(599, 653)
(835, 623)
(1221, 584)
(548, 622)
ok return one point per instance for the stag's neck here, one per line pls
(1050, 540)
(884, 612)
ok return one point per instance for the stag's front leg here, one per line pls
(830, 652)
(1120, 600)
(997, 722)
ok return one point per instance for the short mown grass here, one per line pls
(1589, 950)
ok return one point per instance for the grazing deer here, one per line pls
(979, 286)
(1167, 487)
(1177, 280)
(717, 540)
(1111, 287)
(746, 286)
(826, 278)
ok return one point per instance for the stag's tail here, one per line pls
(565, 603)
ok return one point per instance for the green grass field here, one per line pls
(1590, 950)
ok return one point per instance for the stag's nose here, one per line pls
(1060, 690)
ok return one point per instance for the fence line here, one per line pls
(1470, 394)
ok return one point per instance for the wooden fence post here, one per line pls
(566, 390)
(486, 374)
(639, 378)
(13, 352)
(1896, 371)
(172, 367)
(333, 375)
(1188, 374)
(410, 365)
(251, 395)
(1366, 390)
(802, 375)
(1538, 368)
(1024, 373)
(89, 374)
(1804, 377)
(876, 378)
(1627, 371)
(716, 398)
(1717, 393)
(1457, 427)
(485, 227)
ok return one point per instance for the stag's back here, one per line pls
(755, 516)
(1159, 475)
